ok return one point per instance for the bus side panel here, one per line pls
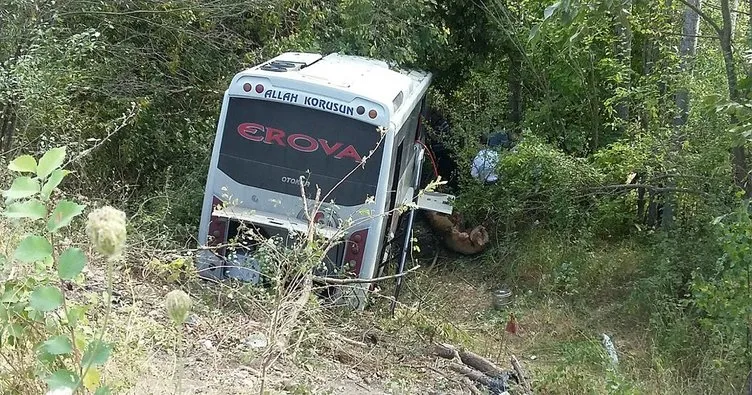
(377, 229)
(206, 209)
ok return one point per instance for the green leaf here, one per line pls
(46, 298)
(23, 164)
(32, 209)
(548, 11)
(534, 33)
(22, 187)
(50, 161)
(58, 345)
(91, 379)
(75, 314)
(71, 262)
(14, 330)
(63, 214)
(97, 353)
(103, 391)
(33, 248)
(62, 379)
(55, 179)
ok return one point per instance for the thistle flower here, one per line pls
(178, 303)
(106, 230)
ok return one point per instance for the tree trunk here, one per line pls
(687, 51)
(624, 56)
(515, 90)
(7, 127)
(739, 156)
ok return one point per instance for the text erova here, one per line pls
(297, 141)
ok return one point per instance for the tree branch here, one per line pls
(645, 186)
(704, 16)
(520, 374)
(342, 281)
(125, 119)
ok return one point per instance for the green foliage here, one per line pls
(722, 294)
(38, 317)
(537, 183)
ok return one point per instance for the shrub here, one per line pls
(46, 336)
(537, 184)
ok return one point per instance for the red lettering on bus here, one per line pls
(275, 135)
(329, 150)
(349, 152)
(298, 141)
(313, 145)
(248, 130)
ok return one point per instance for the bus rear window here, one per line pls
(269, 145)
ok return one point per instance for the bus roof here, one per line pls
(352, 76)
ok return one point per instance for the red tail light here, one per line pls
(354, 250)
(217, 228)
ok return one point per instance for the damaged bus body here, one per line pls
(349, 125)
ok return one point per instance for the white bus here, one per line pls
(304, 114)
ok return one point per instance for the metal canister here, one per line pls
(502, 298)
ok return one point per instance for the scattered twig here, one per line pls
(349, 341)
(342, 281)
(470, 386)
(520, 374)
(125, 119)
(466, 381)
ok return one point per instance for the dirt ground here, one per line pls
(357, 353)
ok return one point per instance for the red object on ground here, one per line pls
(512, 326)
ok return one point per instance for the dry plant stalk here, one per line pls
(521, 374)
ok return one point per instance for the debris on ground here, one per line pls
(456, 236)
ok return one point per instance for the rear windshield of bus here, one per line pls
(270, 145)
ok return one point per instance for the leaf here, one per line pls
(50, 161)
(63, 214)
(103, 391)
(70, 264)
(534, 32)
(91, 379)
(22, 187)
(46, 298)
(546, 13)
(58, 345)
(33, 248)
(55, 179)
(75, 314)
(62, 379)
(23, 164)
(97, 353)
(32, 209)
(14, 330)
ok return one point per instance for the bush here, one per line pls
(46, 335)
(538, 184)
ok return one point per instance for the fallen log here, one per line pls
(474, 375)
(469, 358)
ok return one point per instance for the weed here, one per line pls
(46, 335)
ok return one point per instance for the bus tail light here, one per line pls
(259, 88)
(372, 114)
(247, 87)
(217, 228)
(354, 250)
